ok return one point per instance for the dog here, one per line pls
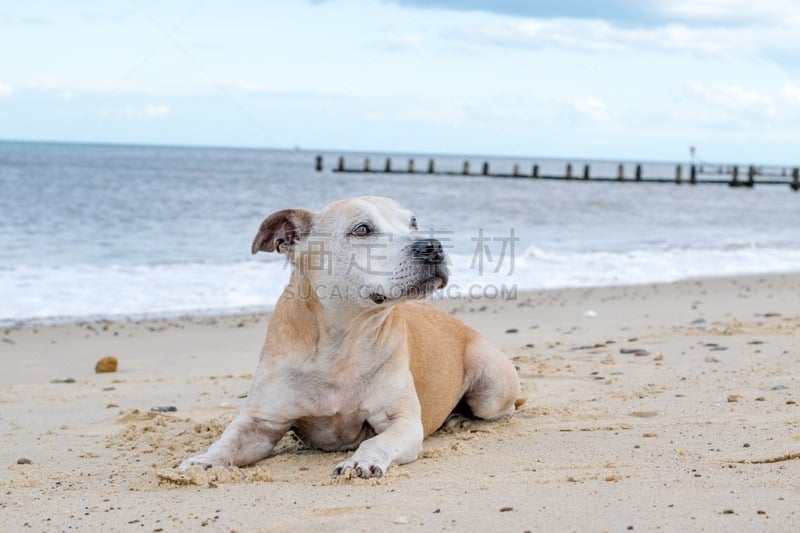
(354, 359)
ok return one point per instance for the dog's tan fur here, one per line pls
(346, 372)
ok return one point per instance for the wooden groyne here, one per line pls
(697, 174)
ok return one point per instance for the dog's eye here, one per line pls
(362, 230)
(414, 223)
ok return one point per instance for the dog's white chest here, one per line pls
(341, 431)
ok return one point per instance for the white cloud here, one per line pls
(156, 111)
(6, 90)
(135, 111)
(732, 97)
(603, 37)
(792, 92)
(591, 107)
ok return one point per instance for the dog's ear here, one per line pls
(281, 230)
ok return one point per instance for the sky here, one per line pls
(614, 79)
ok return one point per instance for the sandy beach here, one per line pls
(659, 407)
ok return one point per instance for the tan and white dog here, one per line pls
(352, 359)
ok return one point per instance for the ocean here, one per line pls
(101, 231)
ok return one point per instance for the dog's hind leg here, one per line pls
(493, 389)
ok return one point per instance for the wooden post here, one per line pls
(586, 171)
(366, 165)
(735, 178)
(638, 172)
(568, 174)
(388, 167)
(693, 175)
(515, 172)
(751, 176)
(535, 172)
(620, 172)
(678, 178)
(485, 168)
(410, 166)
(319, 163)
(465, 169)
(430, 166)
(795, 179)
(341, 163)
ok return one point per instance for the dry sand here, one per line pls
(698, 430)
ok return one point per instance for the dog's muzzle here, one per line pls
(429, 254)
(428, 251)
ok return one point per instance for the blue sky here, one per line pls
(611, 79)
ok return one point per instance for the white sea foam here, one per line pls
(86, 291)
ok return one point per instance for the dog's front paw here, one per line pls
(362, 469)
(203, 461)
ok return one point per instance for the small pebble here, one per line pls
(790, 402)
(779, 387)
(712, 359)
(697, 321)
(734, 398)
(106, 364)
(512, 330)
(24, 461)
(727, 511)
(164, 409)
(760, 399)
(648, 435)
(63, 380)
(746, 445)
(633, 351)
(506, 509)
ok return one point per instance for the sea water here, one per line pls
(98, 231)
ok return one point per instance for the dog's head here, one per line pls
(364, 251)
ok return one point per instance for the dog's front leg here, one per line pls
(249, 438)
(398, 440)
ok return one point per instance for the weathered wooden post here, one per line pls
(535, 172)
(693, 175)
(735, 177)
(620, 172)
(638, 172)
(568, 174)
(340, 168)
(586, 171)
(795, 179)
(318, 166)
(410, 166)
(751, 176)
(515, 171)
(388, 167)
(366, 165)
(430, 166)
(678, 178)
(465, 168)
(485, 168)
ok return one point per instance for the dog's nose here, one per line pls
(428, 251)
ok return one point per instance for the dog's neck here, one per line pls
(315, 326)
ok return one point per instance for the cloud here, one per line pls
(792, 92)
(631, 12)
(601, 36)
(131, 111)
(732, 97)
(592, 107)
(5, 90)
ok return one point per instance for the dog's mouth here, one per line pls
(417, 291)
